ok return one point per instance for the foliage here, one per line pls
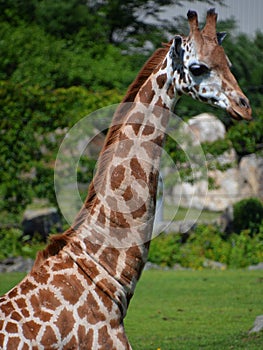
(13, 243)
(246, 137)
(165, 250)
(204, 243)
(33, 122)
(216, 148)
(245, 249)
(207, 242)
(30, 56)
(248, 214)
(129, 23)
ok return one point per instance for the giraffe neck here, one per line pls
(122, 199)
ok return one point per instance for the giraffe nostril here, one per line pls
(243, 102)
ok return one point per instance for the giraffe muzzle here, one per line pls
(240, 109)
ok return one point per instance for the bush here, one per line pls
(165, 250)
(205, 243)
(248, 215)
(33, 122)
(245, 249)
(208, 243)
(13, 243)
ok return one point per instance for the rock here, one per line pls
(251, 168)
(178, 267)
(188, 195)
(229, 186)
(225, 221)
(18, 264)
(207, 128)
(258, 325)
(151, 266)
(214, 265)
(259, 266)
(41, 221)
(229, 157)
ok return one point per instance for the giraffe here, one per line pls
(78, 292)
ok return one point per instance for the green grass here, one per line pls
(170, 211)
(195, 310)
(9, 280)
(184, 310)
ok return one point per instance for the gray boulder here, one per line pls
(17, 264)
(258, 325)
(41, 221)
(251, 169)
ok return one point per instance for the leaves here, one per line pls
(33, 123)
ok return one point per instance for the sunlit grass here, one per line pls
(178, 214)
(195, 310)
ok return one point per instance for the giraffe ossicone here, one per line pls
(78, 292)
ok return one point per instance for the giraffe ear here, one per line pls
(220, 37)
(176, 51)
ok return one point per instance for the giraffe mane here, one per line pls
(156, 58)
(113, 133)
(57, 242)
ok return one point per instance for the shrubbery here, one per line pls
(167, 250)
(13, 243)
(248, 214)
(208, 243)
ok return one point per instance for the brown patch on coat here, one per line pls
(139, 212)
(49, 337)
(146, 94)
(117, 176)
(161, 80)
(69, 286)
(137, 170)
(65, 322)
(128, 194)
(109, 259)
(30, 329)
(148, 130)
(85, 338)
(117, 220)
(91, 311)
(104, 339)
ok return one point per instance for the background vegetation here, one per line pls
(61, 60)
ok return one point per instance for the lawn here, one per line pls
(184, 310)
(192, 214)
(210, 310)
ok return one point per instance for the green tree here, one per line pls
(116, 21)
(32, 123)
(29, 57)
(248, 215)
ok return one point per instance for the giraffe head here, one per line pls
(201, 69)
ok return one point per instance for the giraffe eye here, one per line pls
(198, 69)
